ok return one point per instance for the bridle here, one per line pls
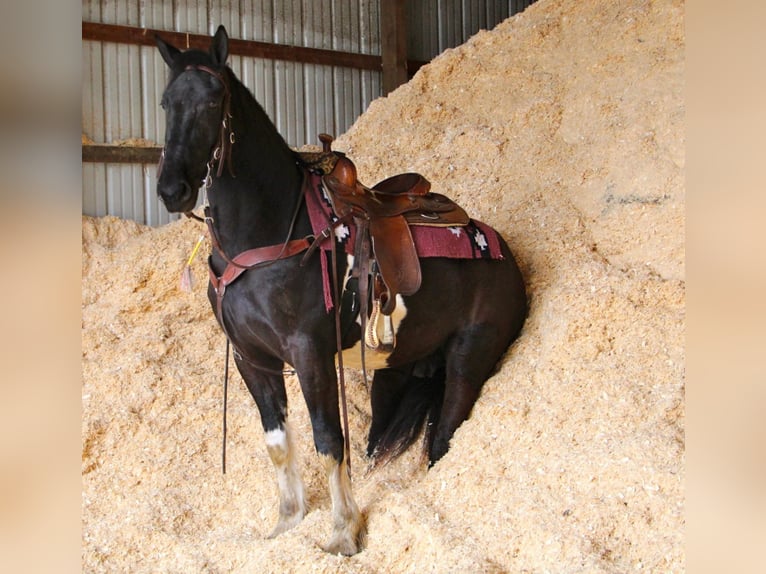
(221, 155)
(222, 151)
(258, 257)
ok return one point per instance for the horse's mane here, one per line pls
(250, 118)
(255, 117)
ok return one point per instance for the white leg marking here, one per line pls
(348, 523)
(292, 506)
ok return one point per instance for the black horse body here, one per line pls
(456, 327)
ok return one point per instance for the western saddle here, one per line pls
(384, 251)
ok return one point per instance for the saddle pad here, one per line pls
(476, 240)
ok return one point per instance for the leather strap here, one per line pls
(253, 257)
(226, 135)
(245, 261)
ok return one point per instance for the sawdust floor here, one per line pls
(562, 128)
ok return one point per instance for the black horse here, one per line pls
(451, 333)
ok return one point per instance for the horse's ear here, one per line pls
(168, 52)
(219, 49)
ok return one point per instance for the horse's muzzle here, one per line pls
(178, 196)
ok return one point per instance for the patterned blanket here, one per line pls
(476, 240)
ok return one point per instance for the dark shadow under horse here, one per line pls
(450, 334)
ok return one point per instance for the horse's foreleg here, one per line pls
(269, 393)
(319, 386)
(292, 506)
(348, 523)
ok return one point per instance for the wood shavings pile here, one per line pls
(563, 128)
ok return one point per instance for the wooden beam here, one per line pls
(104, 153)
(145, 37)
(393, 44)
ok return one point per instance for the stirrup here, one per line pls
(379, 335)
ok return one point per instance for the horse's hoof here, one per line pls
(343, 547)
(347, 541)
(286, 523)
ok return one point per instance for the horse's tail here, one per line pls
(421, 402)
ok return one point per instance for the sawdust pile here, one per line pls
(562, 128)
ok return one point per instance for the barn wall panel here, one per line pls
(436, 25)
(122, 84)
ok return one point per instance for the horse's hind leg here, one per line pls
(471, 356)
(268, 390)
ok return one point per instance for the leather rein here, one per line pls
(259, 258)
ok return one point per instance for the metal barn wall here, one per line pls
(122, 84)
(436, 25)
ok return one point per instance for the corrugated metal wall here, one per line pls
(122, 84)
(436, 25)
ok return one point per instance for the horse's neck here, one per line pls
(254, 206)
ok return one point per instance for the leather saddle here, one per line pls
(383, 214)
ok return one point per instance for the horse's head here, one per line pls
(195, 102)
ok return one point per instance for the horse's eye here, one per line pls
(164, 105)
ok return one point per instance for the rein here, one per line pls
(258, 258)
